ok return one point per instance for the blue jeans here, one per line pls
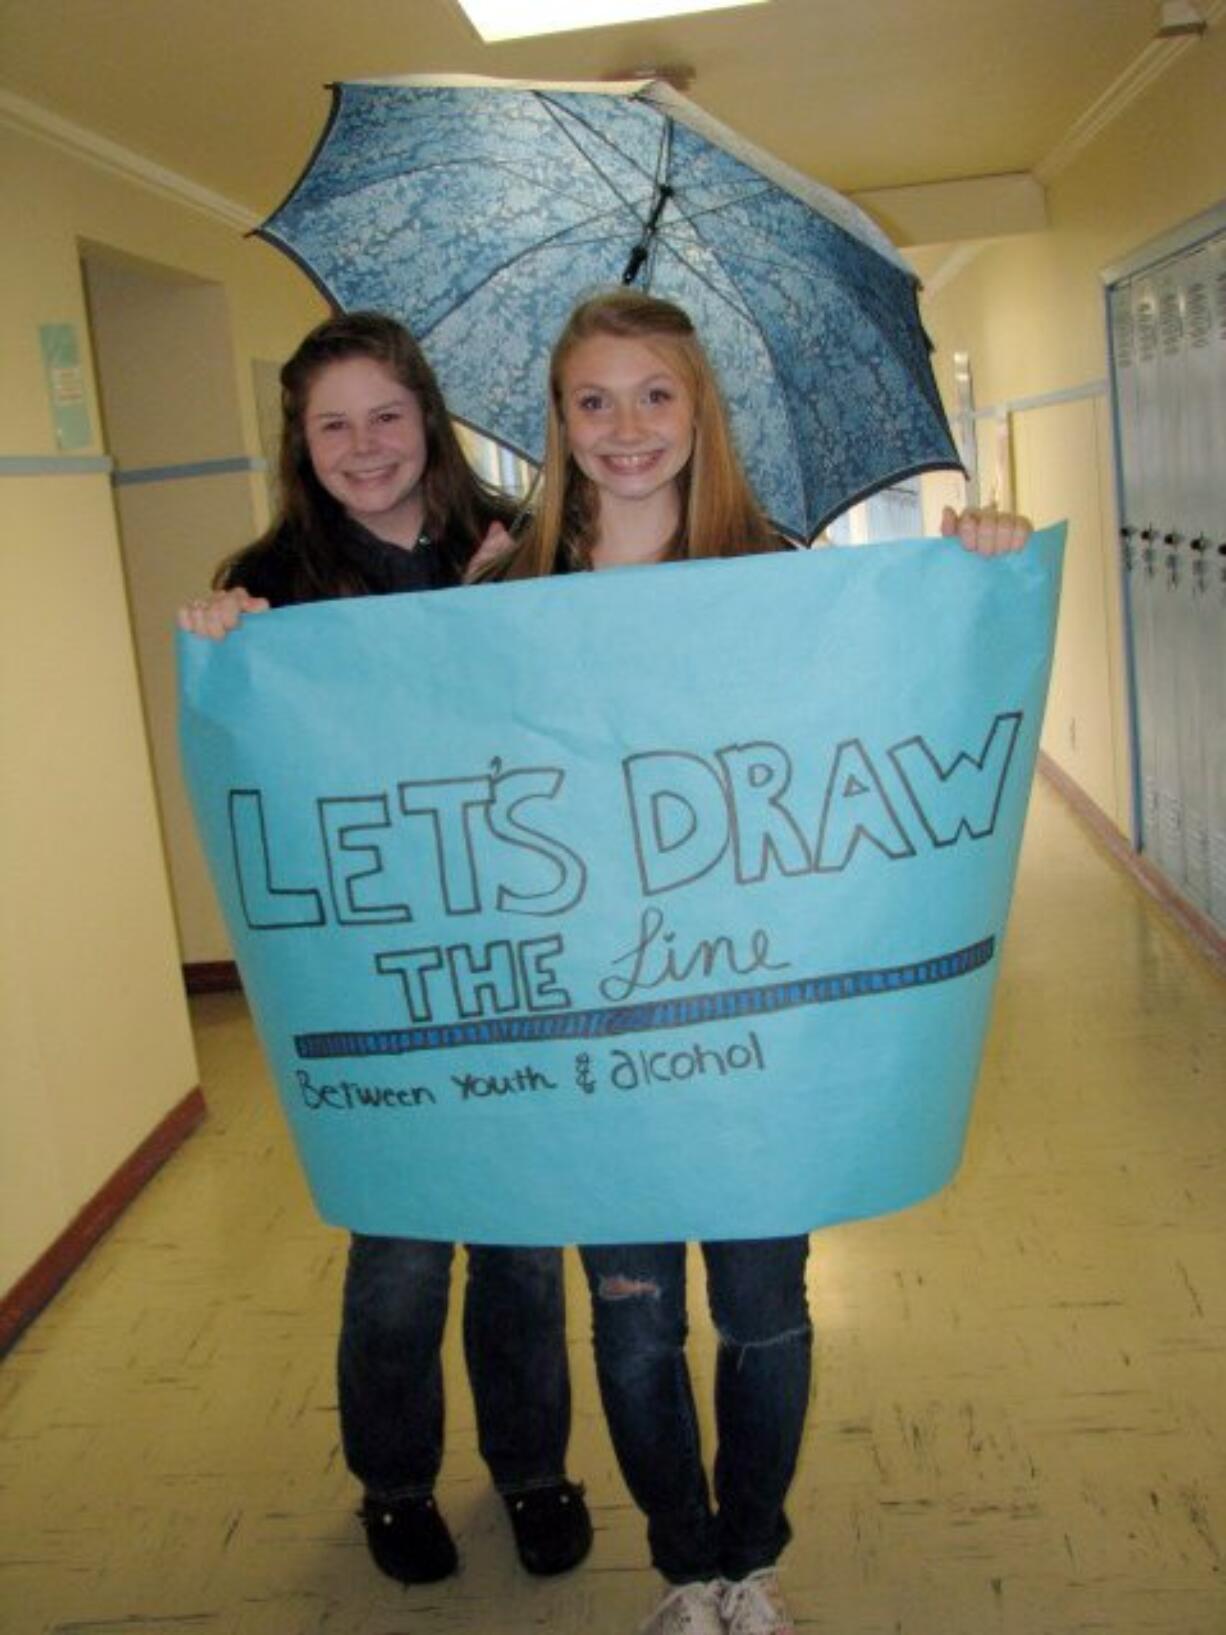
(390, 1374)
(757, 1296)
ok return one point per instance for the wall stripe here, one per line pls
(56, 465)
(129, 476)
(102, 465)
(1043, 400)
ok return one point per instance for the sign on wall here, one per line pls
(654, 904)
(65, 386)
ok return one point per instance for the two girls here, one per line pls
(639, 468)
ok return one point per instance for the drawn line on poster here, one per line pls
(659, 1014)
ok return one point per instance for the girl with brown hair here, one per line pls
(377, 497)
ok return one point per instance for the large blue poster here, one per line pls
(652, 904)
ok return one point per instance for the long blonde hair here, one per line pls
(719, 514)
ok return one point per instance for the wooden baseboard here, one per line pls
(22, 1304)
(212, 976)
(1198, 927)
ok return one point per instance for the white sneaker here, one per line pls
(754, 1606)
(689, 1609)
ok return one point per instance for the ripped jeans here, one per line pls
(757, 1296)
(390, 1373)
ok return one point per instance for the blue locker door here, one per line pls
(1136, 570)
(1207, 330)
(1183, 422)
(1160, 423)
(1145, 581)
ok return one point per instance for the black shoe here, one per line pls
(553, 1531)
(408, 1539)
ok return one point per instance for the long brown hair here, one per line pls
(719, 514)
(459, 507)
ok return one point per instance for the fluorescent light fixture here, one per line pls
(515, 19)
(1180, 17)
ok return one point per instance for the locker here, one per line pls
(1182, 421)
(1138, 558)
(1213, 555)
(1157, 438)
(1168, 353)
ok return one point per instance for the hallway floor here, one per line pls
(1019, 1425)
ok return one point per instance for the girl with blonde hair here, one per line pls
(640, 467)
(717, 514)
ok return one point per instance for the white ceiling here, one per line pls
(861, 94)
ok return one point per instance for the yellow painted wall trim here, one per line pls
(1157, 57)
(126, 476)
(32, 120)
(1041, 400)
(56, 465)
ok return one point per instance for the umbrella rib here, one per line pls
(537, 247)
(556, 114)
(744, 311)
(798, 266)
(724, 204)
(847, 292)
(748, 314)
(798, 269)
(506, 166)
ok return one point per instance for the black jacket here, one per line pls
(383, 569)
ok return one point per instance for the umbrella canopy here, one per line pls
(479, 211)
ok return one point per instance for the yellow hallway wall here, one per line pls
(93, 1026)
(151, 334)
(1030, 312)
(95, 1021)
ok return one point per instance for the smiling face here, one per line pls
(629, 419)
(367, 443)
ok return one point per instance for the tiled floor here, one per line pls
(1019, 1424)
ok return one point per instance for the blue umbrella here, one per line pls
(478, 211)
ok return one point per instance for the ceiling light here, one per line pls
(515, 19)
(1179, 17)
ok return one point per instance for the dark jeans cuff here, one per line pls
(740, 1558)
(683, 1546)
(533, 1484)
(397, 1495)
